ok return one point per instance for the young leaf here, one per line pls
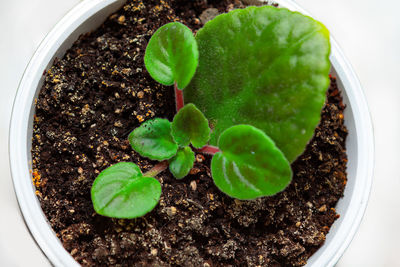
(190, 125)
(249, 164)
(121, 191)
(172, 55)
(182, 163)
(153, 140)
(263, 66)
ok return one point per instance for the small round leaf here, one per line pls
(249, 164)
(190, 125)
(121, 191)
(172, 55)
(153, 140)
(182, 163)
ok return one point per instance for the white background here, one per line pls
(368, 32)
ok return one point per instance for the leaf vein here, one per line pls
(243, 179)
(225, 173)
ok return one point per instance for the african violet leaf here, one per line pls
(182, 163)
(172, 55)
(190, 126)
(249, 164)
(121, 191)
(266, 67)
(153, 140)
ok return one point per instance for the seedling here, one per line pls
(259, 75)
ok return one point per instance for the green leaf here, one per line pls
(153, 140)
(266, 67)
(182, 163)
(249, 164)
(190, 125)
(121, 191)
(172, 55)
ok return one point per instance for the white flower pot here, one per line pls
(88, 15)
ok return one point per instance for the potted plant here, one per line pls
(350, 211)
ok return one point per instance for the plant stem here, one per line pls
(178, 98)
(210, 150)
(158, 168)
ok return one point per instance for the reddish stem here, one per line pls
(210, 150)
(158, 168)
(178, 98)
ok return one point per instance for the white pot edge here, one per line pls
(19, 154)
(29, 204)
(351, 219)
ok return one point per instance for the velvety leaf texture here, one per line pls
(263, 66)
(121, 191)
(182, 163)
(172, 55)
(190, 126)
(153, 140)
(249, 164)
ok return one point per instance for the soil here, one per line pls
(99, 92)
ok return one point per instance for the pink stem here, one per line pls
(158, 168)
(178, 98)
(211, 150)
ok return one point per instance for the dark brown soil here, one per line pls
(98, 93)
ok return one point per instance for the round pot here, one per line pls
(88, 15)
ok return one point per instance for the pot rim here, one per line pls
(365, 148)
(29, 204)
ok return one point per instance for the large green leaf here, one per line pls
(153, 140)
(190, 126)
(182, 163)
(266, 67)
(172, 55)
(249, 164)
(121, 191)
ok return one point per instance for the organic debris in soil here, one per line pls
(90, 101)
